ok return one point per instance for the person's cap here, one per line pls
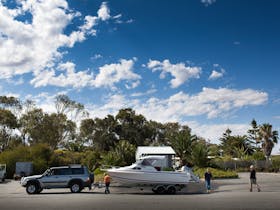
(251, 166)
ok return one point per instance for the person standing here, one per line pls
(208, 177)
(107, 180)
(253, 179)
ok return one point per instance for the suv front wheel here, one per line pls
(75, 187)
(32, 188)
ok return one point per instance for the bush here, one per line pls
(64, 157)
(258, 156)
(98, 171)
(276, 163)
(91, 159)
(10, 157)
(216, 173)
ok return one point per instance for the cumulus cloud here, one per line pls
(66, 75)
(104, 12)
(215, 75)
(112, 104)
(214, 132)
(210, 102)
(110, 74)
(35, 45)
(180, 72)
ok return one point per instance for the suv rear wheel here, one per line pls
(75, 187)
(32, 188)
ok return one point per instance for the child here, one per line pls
(107, 180)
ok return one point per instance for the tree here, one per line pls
(100, 133)
(200, 153)
(182, 142)
(64, 105)
(52, 129)
(253, 133)
(123, 154)
(268, 138)
(10, 103)
(233, 145)
(132, 127)
(8, 122)
(155, 133)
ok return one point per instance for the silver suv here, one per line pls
(75, 177)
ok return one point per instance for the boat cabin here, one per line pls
(164, 151)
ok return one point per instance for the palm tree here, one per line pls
(268, 138)
(182, 142)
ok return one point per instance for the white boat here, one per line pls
(144, 172)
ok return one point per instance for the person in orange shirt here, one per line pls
(107, 180)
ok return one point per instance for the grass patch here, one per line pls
(216, 173)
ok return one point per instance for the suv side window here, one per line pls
(62, 171)
(77, 170)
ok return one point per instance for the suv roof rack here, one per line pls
(75, 166)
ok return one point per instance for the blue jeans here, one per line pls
(208, 184)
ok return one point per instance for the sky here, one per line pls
(208, 64)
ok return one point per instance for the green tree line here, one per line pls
(69, 135)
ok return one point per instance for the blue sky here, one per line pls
(210, 64)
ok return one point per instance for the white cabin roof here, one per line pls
(154, 150)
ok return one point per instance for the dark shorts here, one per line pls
(253, 181)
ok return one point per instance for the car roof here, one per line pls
(70, 166)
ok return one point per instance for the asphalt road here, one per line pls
(227, 194)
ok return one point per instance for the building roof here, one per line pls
(154, 150)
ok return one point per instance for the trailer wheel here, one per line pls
(171, 190)
(160, 190)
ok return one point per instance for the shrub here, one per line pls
(258, 156)
(10, 157)
(216, 173)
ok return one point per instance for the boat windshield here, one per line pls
(146, 162)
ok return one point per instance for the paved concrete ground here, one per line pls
(228, 194)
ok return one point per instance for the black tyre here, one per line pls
(160, 190)
(40, 190)
(171, 190)
(32, 188)
(75, 187)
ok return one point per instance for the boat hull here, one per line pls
(153, 177)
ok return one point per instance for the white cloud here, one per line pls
(96, 56)
(210, 102)
(149, 92)
(215, 75)
(34, 46)
(113, 103)
(104, 12)
(90, 22)
(110, 74)
(214, 132)
(207, 2)
(66, 75)
(180, 72)
(213, 103)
